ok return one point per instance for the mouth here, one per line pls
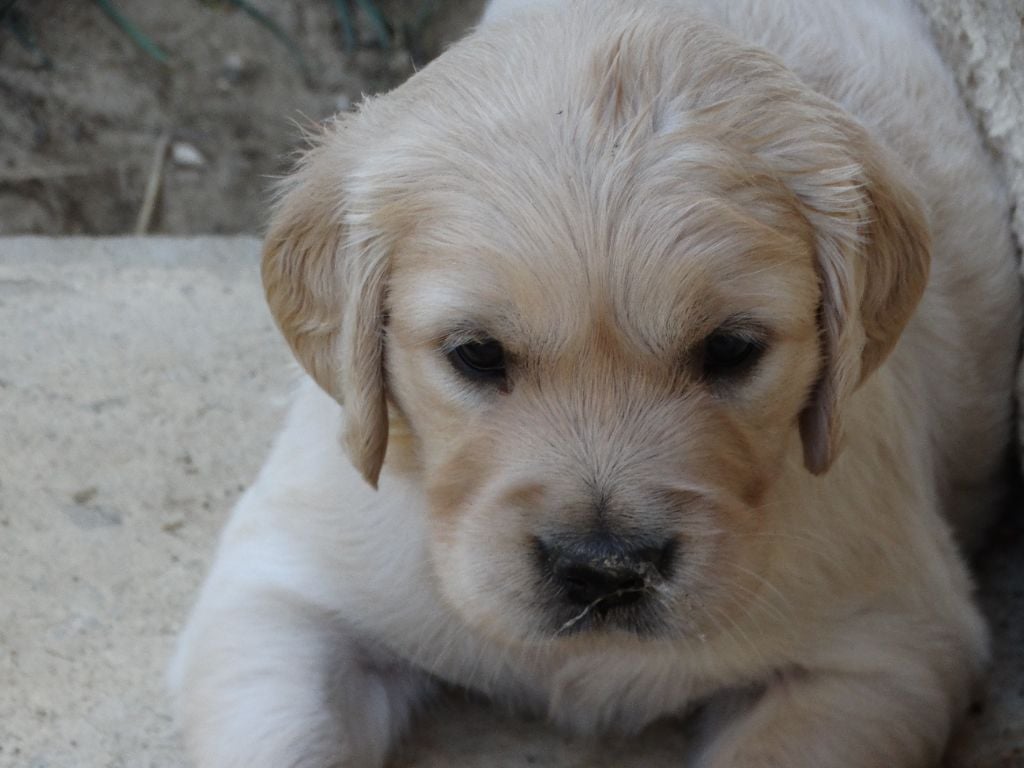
(613, 613)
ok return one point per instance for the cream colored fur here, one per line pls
(600, 185)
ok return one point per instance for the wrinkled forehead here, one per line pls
(541, 266)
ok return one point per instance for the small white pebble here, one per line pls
(186, 155)
(234, 64)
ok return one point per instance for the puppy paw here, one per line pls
(263, 681)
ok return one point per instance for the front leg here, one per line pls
(888, 698)
(264, 679)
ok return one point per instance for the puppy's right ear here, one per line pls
(326, 293)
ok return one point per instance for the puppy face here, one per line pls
(591, 390)
(595, 304)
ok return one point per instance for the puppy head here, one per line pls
(599, 271)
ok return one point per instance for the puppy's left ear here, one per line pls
(326, 291)
(872, 243)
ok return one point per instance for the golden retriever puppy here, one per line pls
(675, 342)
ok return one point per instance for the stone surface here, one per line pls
(983, 42)
(140, 384)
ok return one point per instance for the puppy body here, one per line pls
(826, 619)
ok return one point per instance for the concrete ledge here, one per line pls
(141, 381)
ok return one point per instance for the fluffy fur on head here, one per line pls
(687, 266)
(621, 121)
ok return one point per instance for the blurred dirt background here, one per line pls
(83, 108)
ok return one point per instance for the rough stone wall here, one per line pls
(983, 41)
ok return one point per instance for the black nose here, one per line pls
(604, 567)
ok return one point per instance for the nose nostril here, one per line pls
(665, 559)
(575, 582)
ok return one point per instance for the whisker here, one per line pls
(768, 585)
(587, 609)
(758, 600)
(758, 652)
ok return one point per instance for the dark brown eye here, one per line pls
(479, 360)
(728, 354)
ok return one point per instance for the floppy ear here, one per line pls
(326, 292)
(872, 246)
